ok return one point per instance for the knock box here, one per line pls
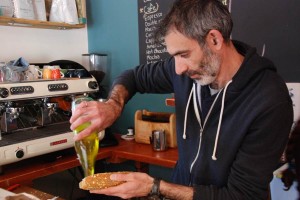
(145, 122)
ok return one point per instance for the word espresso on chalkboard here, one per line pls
(151, 12)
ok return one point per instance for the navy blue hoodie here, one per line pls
(235, 153)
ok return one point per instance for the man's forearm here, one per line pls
(118, 97)
(176, 192)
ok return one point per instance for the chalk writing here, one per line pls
(151, 12)
(151, 8)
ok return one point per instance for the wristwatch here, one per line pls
(155, 187)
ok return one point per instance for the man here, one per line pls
(233, 111)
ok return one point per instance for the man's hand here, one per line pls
(140, 184)
(137, 185)
(99, 114)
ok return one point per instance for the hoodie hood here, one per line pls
(257, 63)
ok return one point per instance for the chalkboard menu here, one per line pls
(270, 25)
(151, 12)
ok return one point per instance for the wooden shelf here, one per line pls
(17, 22)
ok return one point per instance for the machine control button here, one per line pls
(4, 92)
(93, 84)
(21, 90)
(58, 87)
(20, 153)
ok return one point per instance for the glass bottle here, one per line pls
(86, 148)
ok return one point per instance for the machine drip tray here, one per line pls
(34, 133)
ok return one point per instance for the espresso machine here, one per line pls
(35, 116)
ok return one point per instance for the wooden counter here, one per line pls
(23, 172)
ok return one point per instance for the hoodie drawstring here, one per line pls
(220, 122)
(193, 92)
(186, 111)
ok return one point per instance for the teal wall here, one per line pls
(113, 29)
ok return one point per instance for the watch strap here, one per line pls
(155, 187)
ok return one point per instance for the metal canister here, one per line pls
(159, 140)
